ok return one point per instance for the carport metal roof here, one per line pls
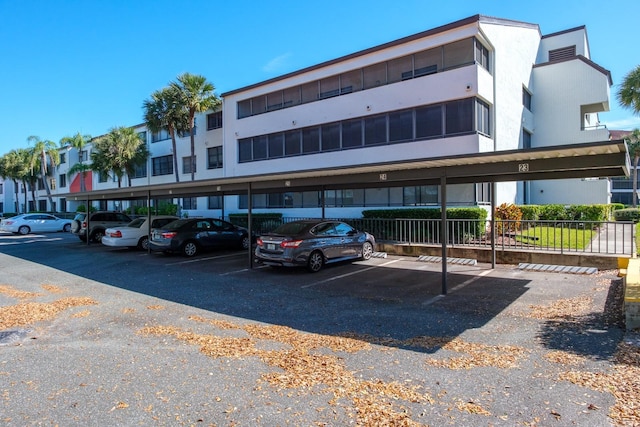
(591, 160)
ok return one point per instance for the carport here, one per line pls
(589, 160)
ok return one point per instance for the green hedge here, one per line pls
(630, 214)
(261, 222)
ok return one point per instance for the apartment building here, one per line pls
(477, 85)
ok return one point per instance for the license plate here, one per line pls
(271, 246)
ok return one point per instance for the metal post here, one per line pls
(493, 225)
(249, 221)
(443, 232)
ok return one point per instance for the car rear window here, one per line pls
(291, 228)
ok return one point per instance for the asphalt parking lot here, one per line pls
(91, 335)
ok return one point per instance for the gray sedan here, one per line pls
(313, 243)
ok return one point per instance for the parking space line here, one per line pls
(456, 288)
(205, 259)
(351, 274)
(243, 270)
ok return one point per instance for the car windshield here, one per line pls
(137, 223)
(292, 228)
(79, 217)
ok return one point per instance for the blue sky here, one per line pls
(87, 65)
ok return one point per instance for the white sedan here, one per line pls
(34, 223)
(136, 233)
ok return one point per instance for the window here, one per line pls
(42, 205)
(400, 69)
(420, 195)
(161, 135)
(351, 82)
(483, 120)
(526, 139)
(63, 204)
(189, 203)
(276, 145)
(52, 183)
(329, 87)
(291, 96)
(140, 171)
(375, 75)
(103, 176)
(63, 158)
(401, 126)
(458, 53)
(1, 188)
(562, 53)
(482, 55)
(143, 136)
(186, 164)
(331, 137)
(292, 146)
(62, 179)
(214, 120)
(375, 130)
(215, 202)
(83, 155)
(244, 108)
(427, 62)
(311, 140)
(162, 165)
(526, 99)
(214, 157)
(187, 132)
(309, 92)
(275, 101)
(429, 122)
(352, 133)
(459, 116)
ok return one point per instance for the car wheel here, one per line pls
(143, 243)
(315, 262)
(83, 238)
(75, 226)
(190, 249)
(66, 228)
(245, 242)
(24, 230)
(367, 250)
(97, 236)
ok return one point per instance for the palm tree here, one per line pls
(629, 91)
(79, 142)
(633, 145)
(118, 152)
(164, 111)
(10, 167)
(45, 153)
(196, 96)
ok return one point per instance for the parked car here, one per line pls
(313, 243)
(34, 223)
(190, 236)
(98, 223)
(136, 233)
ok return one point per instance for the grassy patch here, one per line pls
(556, 237)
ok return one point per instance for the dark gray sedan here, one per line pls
(313, 243)
(190, 236)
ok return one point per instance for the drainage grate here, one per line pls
(438, 259)
(8, 337)
(557, 268)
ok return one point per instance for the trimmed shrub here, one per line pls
(261, 222)
(508, 218)
(629, 214)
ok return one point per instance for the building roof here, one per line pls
(448, 27)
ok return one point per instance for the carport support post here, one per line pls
(443, 231)
(493, 225)
(88, 219)
(249, 228)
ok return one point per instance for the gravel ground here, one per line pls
(363, 344)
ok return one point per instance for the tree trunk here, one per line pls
(175, 154)
(44, 181)
(634, 196)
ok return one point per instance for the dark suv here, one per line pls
(98, 223)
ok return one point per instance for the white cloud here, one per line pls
(629, 123)
(277, 63)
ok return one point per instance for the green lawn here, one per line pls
(556, 237)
